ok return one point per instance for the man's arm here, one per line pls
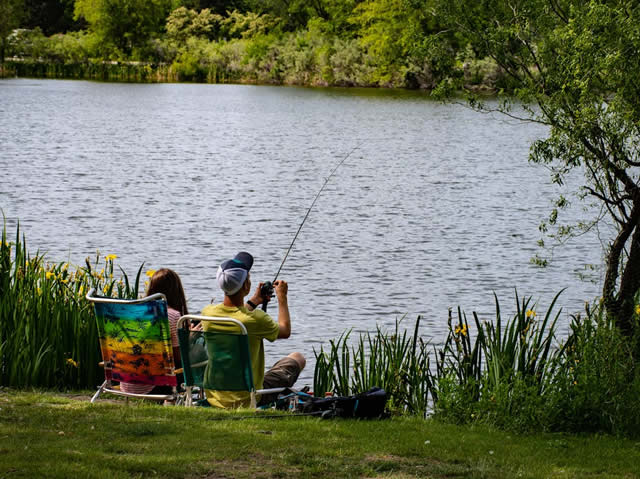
(257, 299)
(284, 320)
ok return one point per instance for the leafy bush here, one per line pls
(597, 382)
(588, 384)
(187, 67)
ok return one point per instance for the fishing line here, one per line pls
(268, 286)
(311, 207)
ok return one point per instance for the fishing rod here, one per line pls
(267, 288)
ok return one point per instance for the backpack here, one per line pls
(367, 405)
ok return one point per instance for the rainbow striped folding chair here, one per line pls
(135, 340)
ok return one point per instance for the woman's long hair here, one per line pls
(167, 282)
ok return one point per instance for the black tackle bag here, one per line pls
(367, 405)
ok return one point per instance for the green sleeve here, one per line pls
(264, 326)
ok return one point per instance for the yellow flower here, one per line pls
(50, 274)
(105, 289)
(71, 362)
(638, 309)
(530, 313)
(81, 289)
(461, 330)
(150, 272)
(110, 257)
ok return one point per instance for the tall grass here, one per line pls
(92, 70)
(398, 363)
(498, 374)
(48, 335)
(522, 346)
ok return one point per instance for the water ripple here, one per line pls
(437, 208)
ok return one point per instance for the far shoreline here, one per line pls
(147, 72)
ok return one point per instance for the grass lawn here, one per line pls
(44, 434)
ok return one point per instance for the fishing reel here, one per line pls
(266, 291)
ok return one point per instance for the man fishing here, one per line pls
(234, 279)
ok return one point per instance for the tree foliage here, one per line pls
(575, 65)
(296, 14)
(124, 26)
(397, 33)
(183, 23)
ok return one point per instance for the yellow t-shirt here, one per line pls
(259, 325)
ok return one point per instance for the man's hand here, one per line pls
(257, 297)
(282, 288)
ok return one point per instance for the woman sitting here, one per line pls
(167, 282)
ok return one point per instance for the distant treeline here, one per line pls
(388, 43)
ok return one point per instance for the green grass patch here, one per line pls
(55, 435)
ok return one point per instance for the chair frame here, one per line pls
(106, 386)
(243, 331)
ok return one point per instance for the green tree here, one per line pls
(397, 34)
(124, 26)
(295, 14)
(574, 65)
(10, 16)
(183, 23)
(247, 25)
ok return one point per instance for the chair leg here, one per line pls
(188, 397)
(253, 400)
(100, 389)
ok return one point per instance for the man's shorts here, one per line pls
(283, 374)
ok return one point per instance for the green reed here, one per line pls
(520, 347)
(468, 367)
(397, 362)
(48, 335)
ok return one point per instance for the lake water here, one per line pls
(437, 207)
